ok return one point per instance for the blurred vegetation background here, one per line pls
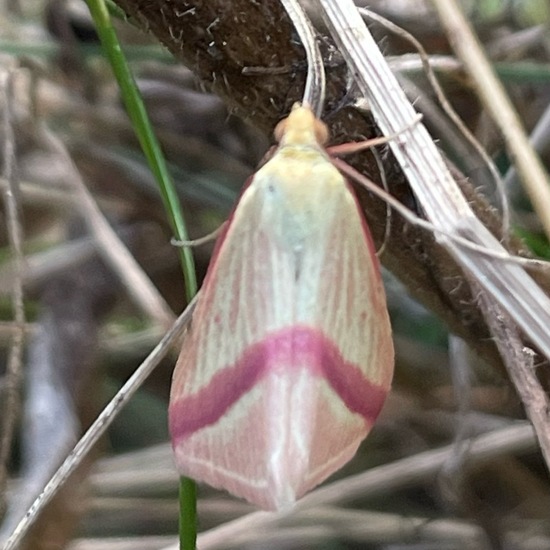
(84, 334)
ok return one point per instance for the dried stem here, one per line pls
(14, 374)
(494, 98)
(98, 428)
(519, 363)
(314, 91)
(138, 285)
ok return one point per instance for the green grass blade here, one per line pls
(151, 148)
(188, 514)
(142, 125)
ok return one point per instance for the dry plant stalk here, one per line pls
(434, 186)
(137, 283)
(99, 427)
(14, 373)
(491, 92)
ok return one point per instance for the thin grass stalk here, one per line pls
(151, 148)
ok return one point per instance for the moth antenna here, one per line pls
(355, 147)
(212, 236)
(387, 228)
(314, 92)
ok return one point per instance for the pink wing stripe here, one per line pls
(293, 347)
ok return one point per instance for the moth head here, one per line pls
(301, 127)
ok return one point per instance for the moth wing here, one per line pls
(217, 410)
(289, 357)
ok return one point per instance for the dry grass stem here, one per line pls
(496, 101)
(98, 428)
(11, 385)
(449, 111)
(137, 284)
(521, 369)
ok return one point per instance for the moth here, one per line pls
(290, 357)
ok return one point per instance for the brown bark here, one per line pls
(247, 52)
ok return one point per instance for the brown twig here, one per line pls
(519, 363)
